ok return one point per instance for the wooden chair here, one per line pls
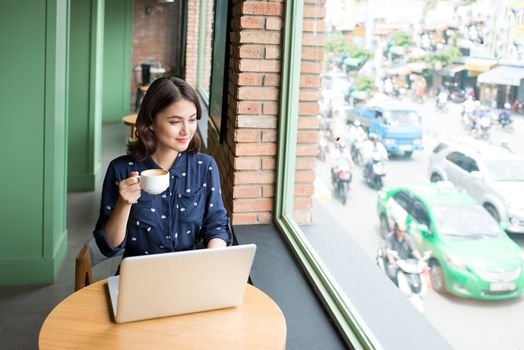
(88, 257)
(130, 120)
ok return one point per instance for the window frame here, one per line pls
(219, 80)
(214, 97)
(353, 329)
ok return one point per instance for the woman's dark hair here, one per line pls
(161, 94)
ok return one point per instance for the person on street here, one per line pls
(402, 245)
(442, 99)
(505, 115)
(341, 160)
(373, 150)
(356, 134)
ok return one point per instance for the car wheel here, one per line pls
(384, 226)
(436, 274)
(435, 177)
(493, 211)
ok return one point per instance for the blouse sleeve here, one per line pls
(216, 222)
(109, 197)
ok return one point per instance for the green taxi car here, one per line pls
(471, 255)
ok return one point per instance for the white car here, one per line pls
(491, 174)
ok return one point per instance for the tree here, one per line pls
(443, 58)
(401, 38)
(358, 52)
(335, 43)
(364, 83)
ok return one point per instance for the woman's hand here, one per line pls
(129, 189)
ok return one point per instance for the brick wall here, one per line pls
(193, 7)
(247, 158)
(308, 123)
(151, 40)
(193, 26)
(208, 40)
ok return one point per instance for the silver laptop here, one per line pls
(177, 283)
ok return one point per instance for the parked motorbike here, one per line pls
(517, 107)
(457, 96)
(409, 276)
(374, 176)
(342, 179)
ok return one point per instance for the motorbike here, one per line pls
(517, 107)
(468, 120)
(323, 148)
(409, 276)
(374, 176)
(441, 101)
(481, 127)
(342, 179)
(506, 124)
(356, 152)
(442, 105)
(480, 132)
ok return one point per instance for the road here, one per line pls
(466, 324)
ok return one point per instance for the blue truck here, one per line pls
(397, 124)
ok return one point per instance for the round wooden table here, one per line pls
(130, 120)
(84, 321)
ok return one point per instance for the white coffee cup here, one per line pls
(154, 181)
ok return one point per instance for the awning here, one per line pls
(400, 70)
(353, 61)
(479, 64)
(502, 75)
(397, 50)
(451, 69)
(359, 95)
(417, 52)
(417, 67)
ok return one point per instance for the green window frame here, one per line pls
(345, 316)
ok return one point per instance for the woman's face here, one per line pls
(175, 126)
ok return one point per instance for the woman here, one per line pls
(190, 209)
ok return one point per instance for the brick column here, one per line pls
(247, 158)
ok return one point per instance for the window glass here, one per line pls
(205, 43)
(451, 219)
(456, 158)
(420, 213)
(471, 164)
(440, 147)
(444, 68)
(404, 200)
